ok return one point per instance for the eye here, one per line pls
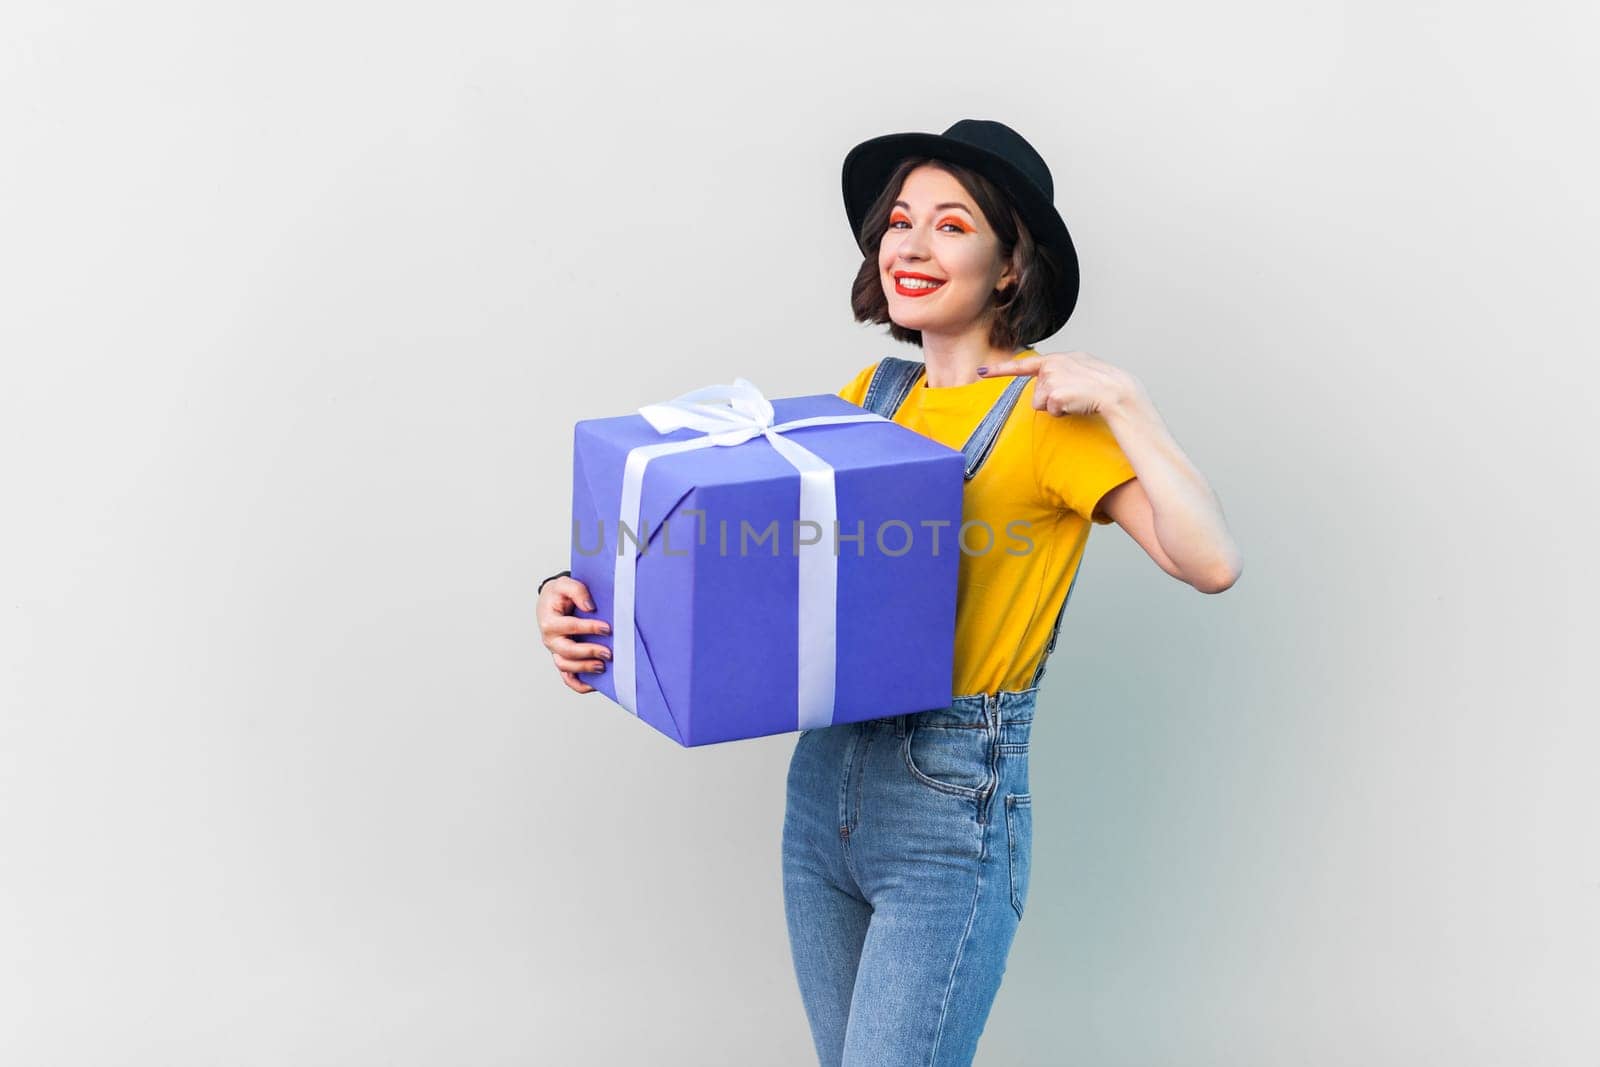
(947, 222)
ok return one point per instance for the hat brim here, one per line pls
(868, 166)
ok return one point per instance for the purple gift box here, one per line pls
(785, 564)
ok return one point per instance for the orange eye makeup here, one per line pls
(948, 220)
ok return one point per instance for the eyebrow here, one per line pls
(936, 207)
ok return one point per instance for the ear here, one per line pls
(1008, 278)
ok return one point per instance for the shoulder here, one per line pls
(856, 390)
(1067, 431)
(1077, 460)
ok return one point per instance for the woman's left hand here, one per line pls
(1071, 383)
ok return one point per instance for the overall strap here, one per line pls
(891, 383)
(1055, 630)
(981, 443)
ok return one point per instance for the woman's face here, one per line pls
(936, 231)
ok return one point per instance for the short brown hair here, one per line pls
(1021, 314)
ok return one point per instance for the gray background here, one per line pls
(301, 302)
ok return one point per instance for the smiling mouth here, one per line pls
(917, 287)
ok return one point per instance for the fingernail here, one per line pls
(983, 372)
(588, 605)
(605, 627)
(605, 653)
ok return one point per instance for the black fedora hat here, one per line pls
(1001, 155)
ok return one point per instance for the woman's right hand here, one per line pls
(559, 627)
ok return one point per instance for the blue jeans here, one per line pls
(906, 847)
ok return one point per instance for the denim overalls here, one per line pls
(906, 848)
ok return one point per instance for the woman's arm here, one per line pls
(1169, 509)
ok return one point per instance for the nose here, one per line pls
(913, 244)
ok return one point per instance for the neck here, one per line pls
(955, 359)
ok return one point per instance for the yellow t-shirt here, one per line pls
(1036, 493)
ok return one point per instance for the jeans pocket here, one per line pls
(952, 759)
(1014, 766)
(1019, 838)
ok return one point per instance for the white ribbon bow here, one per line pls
(732, 415)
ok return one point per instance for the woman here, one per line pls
(907, 839)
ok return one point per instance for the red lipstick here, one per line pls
(903, 291)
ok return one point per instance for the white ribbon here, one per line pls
(732, 415)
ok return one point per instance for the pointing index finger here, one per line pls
(1025, 365)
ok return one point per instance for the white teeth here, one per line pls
(918, 283)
